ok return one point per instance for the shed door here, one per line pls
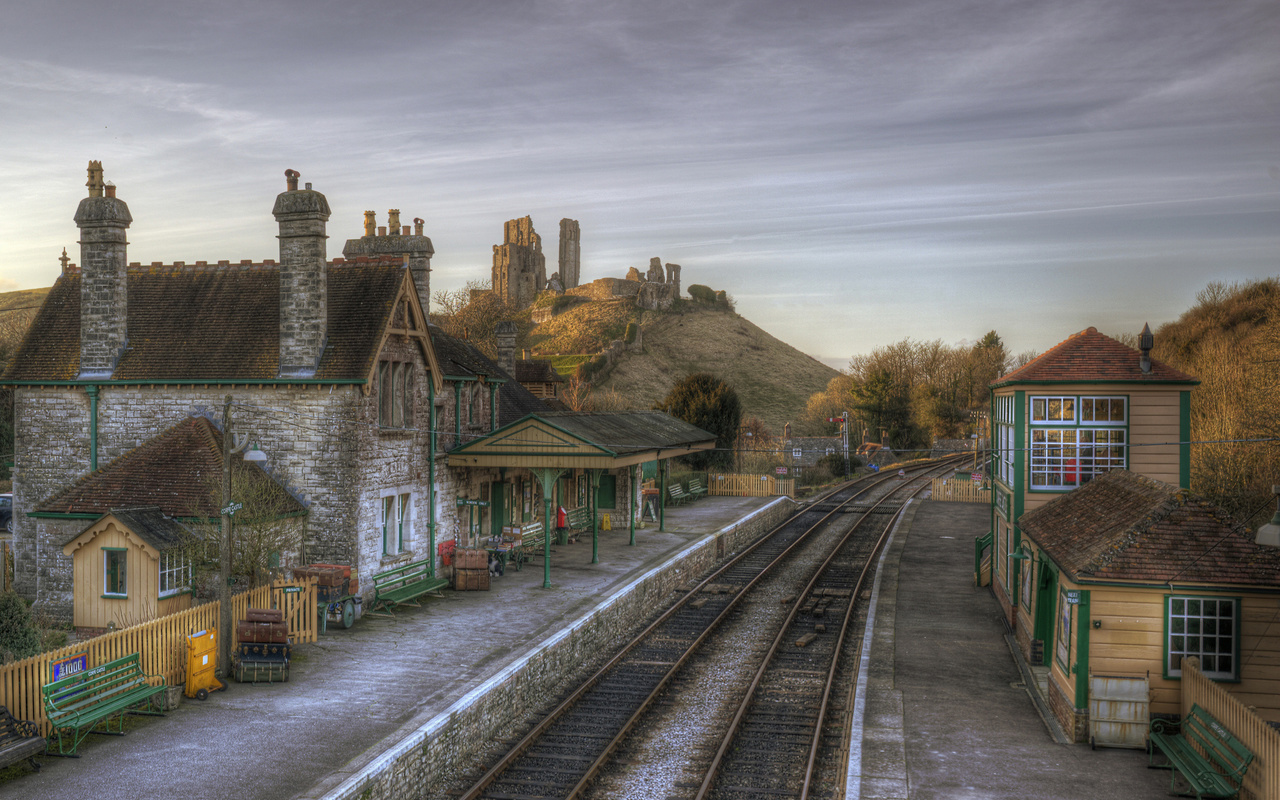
(1118, 711)
(1046, 602)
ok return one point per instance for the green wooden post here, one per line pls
(662, 497)
(631, 502)
(547, 478)
(595, 535)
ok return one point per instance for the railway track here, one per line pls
(564, 753)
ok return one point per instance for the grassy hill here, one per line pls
(17, 309)
(772, 378)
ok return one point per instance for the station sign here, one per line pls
(1073, 597)
(233, 508)
(464, 502)
(71, 665)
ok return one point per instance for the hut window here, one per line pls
(175, 573)
(1204, 627)
(114, 575)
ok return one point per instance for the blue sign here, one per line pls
(71, 665)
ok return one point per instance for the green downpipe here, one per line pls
(457, 414)
(92, 391)
(493, 407)
(1084, 623)
(631, 504)
(431, 473)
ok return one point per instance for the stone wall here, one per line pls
(607, 289)
(419, 765)
(1074, 722)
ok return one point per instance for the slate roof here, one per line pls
(1130, 528)
(1090, 356)
(629, 431)
(151, 524)
(462, 359)
(174, 472)
(537, 371)
(214, 323)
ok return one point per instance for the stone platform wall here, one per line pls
(419, 764)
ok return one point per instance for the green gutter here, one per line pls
(1184, 439)
(1081, 667)
(493, 407)
(92, 391)
(431, 474)
(1111, 382)
(457, 414)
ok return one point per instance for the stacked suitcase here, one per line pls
(471, 570)
(333, 581)
(262, 655)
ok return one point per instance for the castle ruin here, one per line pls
(519, 268)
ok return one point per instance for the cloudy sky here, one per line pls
(852, 172)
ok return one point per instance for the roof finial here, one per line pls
(1145, 342)
(65, 260)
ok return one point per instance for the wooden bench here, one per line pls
(532, 540)
(76, 704)
(19, 739)
(403, 585)
(579, 520)
(1219, 772)
(696, 489)
(678, 495)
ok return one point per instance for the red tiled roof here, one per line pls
(178, 471)
(214, 323)
(1091, 356)
(1128, 527)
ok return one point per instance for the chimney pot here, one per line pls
(404, 230)
(393, 221)
(370, 223)
(382, 230)
(110, 189)
(308, 184)
(418, 222)
(291, 179)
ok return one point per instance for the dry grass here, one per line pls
(585, 328)
(772, 378)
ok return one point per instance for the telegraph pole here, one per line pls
(224, 578)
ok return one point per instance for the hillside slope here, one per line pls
(772, 378)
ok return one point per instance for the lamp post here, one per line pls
(229, 509)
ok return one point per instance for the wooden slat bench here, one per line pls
(75, 705)
(19, 739)
(678, 495)
(403, 585)
(532, 539)
(579, 520)
(1219, 772)
(696, 489)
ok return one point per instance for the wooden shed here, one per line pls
(130, 566)
(1126, 576)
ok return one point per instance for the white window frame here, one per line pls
(124, 571)
(1065, 452)
(396, 521)
(797, 452)
(175, 570)
(1191, 637)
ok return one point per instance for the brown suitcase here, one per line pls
(264, 615)
(262, 632)
(471, 580)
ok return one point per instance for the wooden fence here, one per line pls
(960, 490)
(161, 642)
(750, 485)
(1263, 778)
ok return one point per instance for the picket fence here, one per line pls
(750, 485)
(960, 490)
(161, 642)
(1263, 778)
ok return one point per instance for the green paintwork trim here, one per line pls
(177, 593)
(51, 515)
(1184, 439)
(457, 412)
(199, 382)
(1112, 382)
(1081, 667)
(1018, 496)
(551, 425)
(115, 597)
(493, 407)
(473, 378)
(431, 475)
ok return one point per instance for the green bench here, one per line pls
(76, 704)
(579, 520)
(678, 495)
(696, 489)
(19, 739)
(403, 585)
(532, 540)
(1217, 773)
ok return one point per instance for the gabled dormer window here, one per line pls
(395, 394)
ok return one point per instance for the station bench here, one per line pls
(19, 739)
(579, 520)
(403, 585)
(678, 495)
(76, 704)
(696, 489)
(1217, 773)
(532, 539)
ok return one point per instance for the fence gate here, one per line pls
(1118, 711)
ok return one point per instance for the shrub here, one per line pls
(703, 294)
(633, 330)
(19, 637)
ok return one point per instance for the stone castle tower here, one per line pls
(519, 268)
(104, 295)
(304, 294)
(570, 253)
(395, 240)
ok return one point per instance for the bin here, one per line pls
(202, 661)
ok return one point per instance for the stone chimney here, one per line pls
(396, 241)
(1145, 342)
(104, 291)
(304, 294)
(505, 333)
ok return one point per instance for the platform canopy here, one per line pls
(584, 440)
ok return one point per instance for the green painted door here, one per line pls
(1046, 602)
(497, 513)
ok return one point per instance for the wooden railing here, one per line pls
(162, 643)
(1263, 778)
(958, 490)
(750, 485)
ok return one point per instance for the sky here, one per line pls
(852, 173)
